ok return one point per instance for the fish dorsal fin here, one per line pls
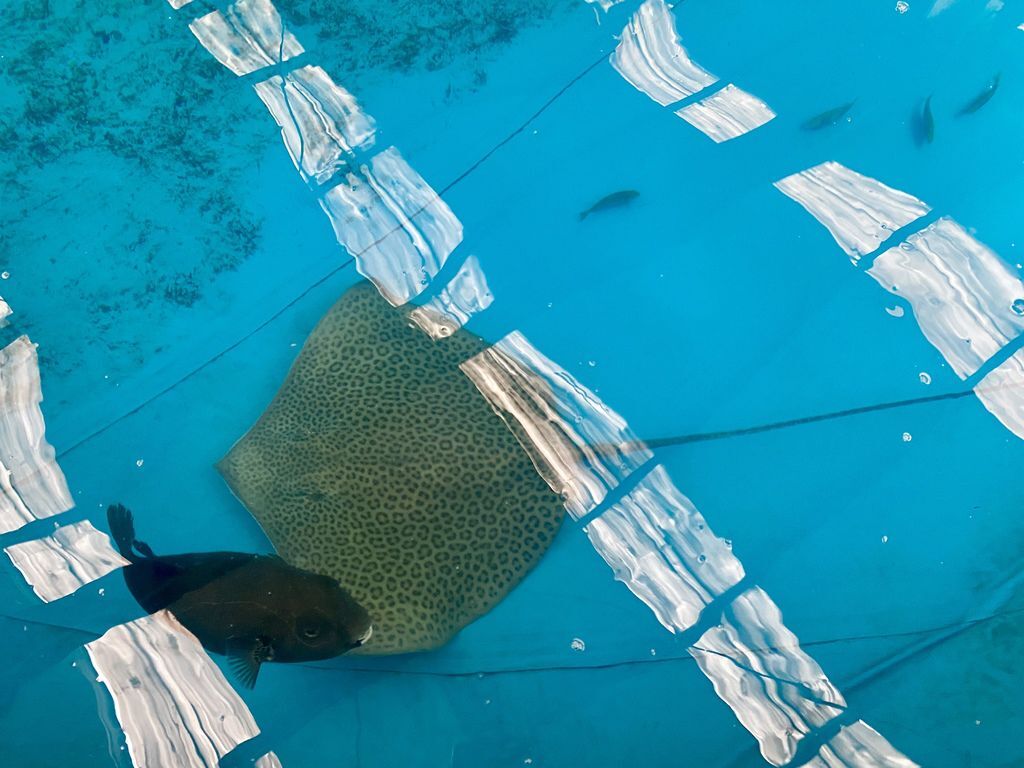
(245, 658)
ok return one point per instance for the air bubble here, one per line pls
(728, 543)
(139, 462)
(578, 644)
(925, 377)
(702, 558)
(885, 539)
(902, 6)
(896, 311)
(1018, 306)
(907, 437)
(5, 275)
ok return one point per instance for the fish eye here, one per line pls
(311, 629)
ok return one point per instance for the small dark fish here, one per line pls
(923, 123)
(829, 117)
(251, 608)
(614, 200)
(982, 98)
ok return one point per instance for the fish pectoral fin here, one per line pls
(245, 658)
(143, 548)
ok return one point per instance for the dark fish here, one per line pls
(982, 98)
(251, 608)
(829, 117)
(614, 200)
(923, 123)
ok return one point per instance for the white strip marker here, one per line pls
(246, 36)
(650, 57)
(859, 746)
(861, 213)
(464, 296)
(660, 547)
(66, 560)
(32, 485)
(729, 113)
(397, 228)
(604, 5)
(269, 760)
(320, 121)
(747, 657)
(1002, 393)
(939, 6)
(579, 446)
(968, 303)
(171, 700)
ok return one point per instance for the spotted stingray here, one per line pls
(380, 464)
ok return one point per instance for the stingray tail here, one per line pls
(122, 528)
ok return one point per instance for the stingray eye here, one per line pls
(311, 632)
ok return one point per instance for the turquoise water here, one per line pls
(168, 260)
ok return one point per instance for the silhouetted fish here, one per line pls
(828, 117)
(614, 200)
(252, 608)
(923, 123)
(982, 98)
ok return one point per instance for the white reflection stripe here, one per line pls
(269, 760)
(32, 485)
(729, 113)
(961, 292)
(1002, 393)
(860, 212)
(650, 58)
(246, 36)
(660, 547)
(171, 700)
(575, 441)
(320, 121)
(859, 746)
(755, 663)
(397, 228)
(464, 296)
(63, 562)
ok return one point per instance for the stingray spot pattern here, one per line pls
(378, 463)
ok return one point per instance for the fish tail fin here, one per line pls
(122, 528)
